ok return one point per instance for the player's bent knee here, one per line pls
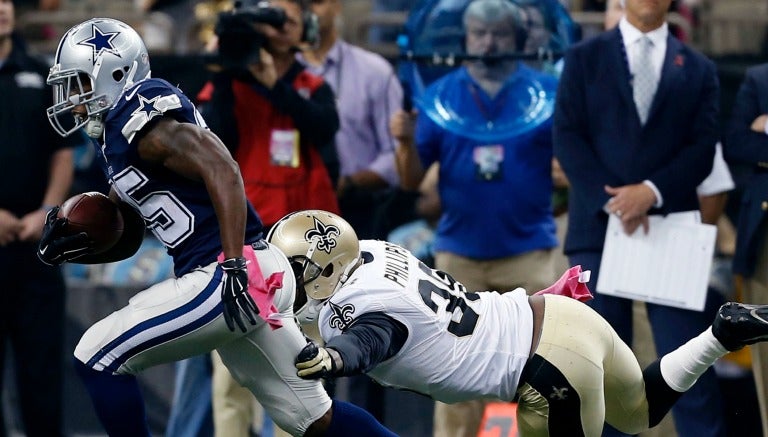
(95, 338)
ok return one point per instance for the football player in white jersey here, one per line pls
(382, 312)
(170, 174)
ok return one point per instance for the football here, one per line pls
(96, 215)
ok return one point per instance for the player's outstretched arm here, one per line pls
(373, 338)
(315, 362)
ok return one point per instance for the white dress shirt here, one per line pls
(631, 36)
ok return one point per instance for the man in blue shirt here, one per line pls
(497, 231)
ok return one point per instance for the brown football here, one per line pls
(96, 215)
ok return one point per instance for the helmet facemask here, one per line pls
(70, 89)
(305, 271)
(309, 273)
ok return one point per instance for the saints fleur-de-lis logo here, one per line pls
(342, 316)
(559, 394)
(326, 235)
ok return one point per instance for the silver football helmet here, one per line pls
(323, 250)
(95, 61)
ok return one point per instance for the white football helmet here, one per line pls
(95, 61)
(323, 250)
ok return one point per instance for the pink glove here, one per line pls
(573, 284)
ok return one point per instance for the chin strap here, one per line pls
(131, 73)
(129, 80)
(309, 312)
(94, 127)
(347, 273)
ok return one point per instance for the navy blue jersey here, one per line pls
(177, 210)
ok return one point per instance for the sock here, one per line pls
(684, 365)
(351, 421)
(117, 401)
(659, 395)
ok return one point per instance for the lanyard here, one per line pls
(488, 114)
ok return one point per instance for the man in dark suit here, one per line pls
(635, 128)
(747, 143)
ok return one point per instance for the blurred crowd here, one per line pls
(186, 26)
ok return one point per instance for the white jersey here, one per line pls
(460, 345)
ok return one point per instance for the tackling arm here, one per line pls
(372, 339)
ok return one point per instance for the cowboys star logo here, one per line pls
(100, 42)
(342, 316)
(326, 234)
(147, 107)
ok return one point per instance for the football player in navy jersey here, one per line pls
(383, 312)
(232, 292)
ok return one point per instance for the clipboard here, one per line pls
(668, 266)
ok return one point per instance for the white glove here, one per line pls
(315, 362)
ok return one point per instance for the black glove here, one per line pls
(235, 295)
(315, 362)
(53, 249)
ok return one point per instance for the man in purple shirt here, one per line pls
(367, 93)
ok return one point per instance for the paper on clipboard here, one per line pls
(668, 266)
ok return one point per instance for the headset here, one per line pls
(310, 24)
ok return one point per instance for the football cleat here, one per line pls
(737, 325)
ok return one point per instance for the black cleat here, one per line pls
(737, 325)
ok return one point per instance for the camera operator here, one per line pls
(285, 121)
(285, 117)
